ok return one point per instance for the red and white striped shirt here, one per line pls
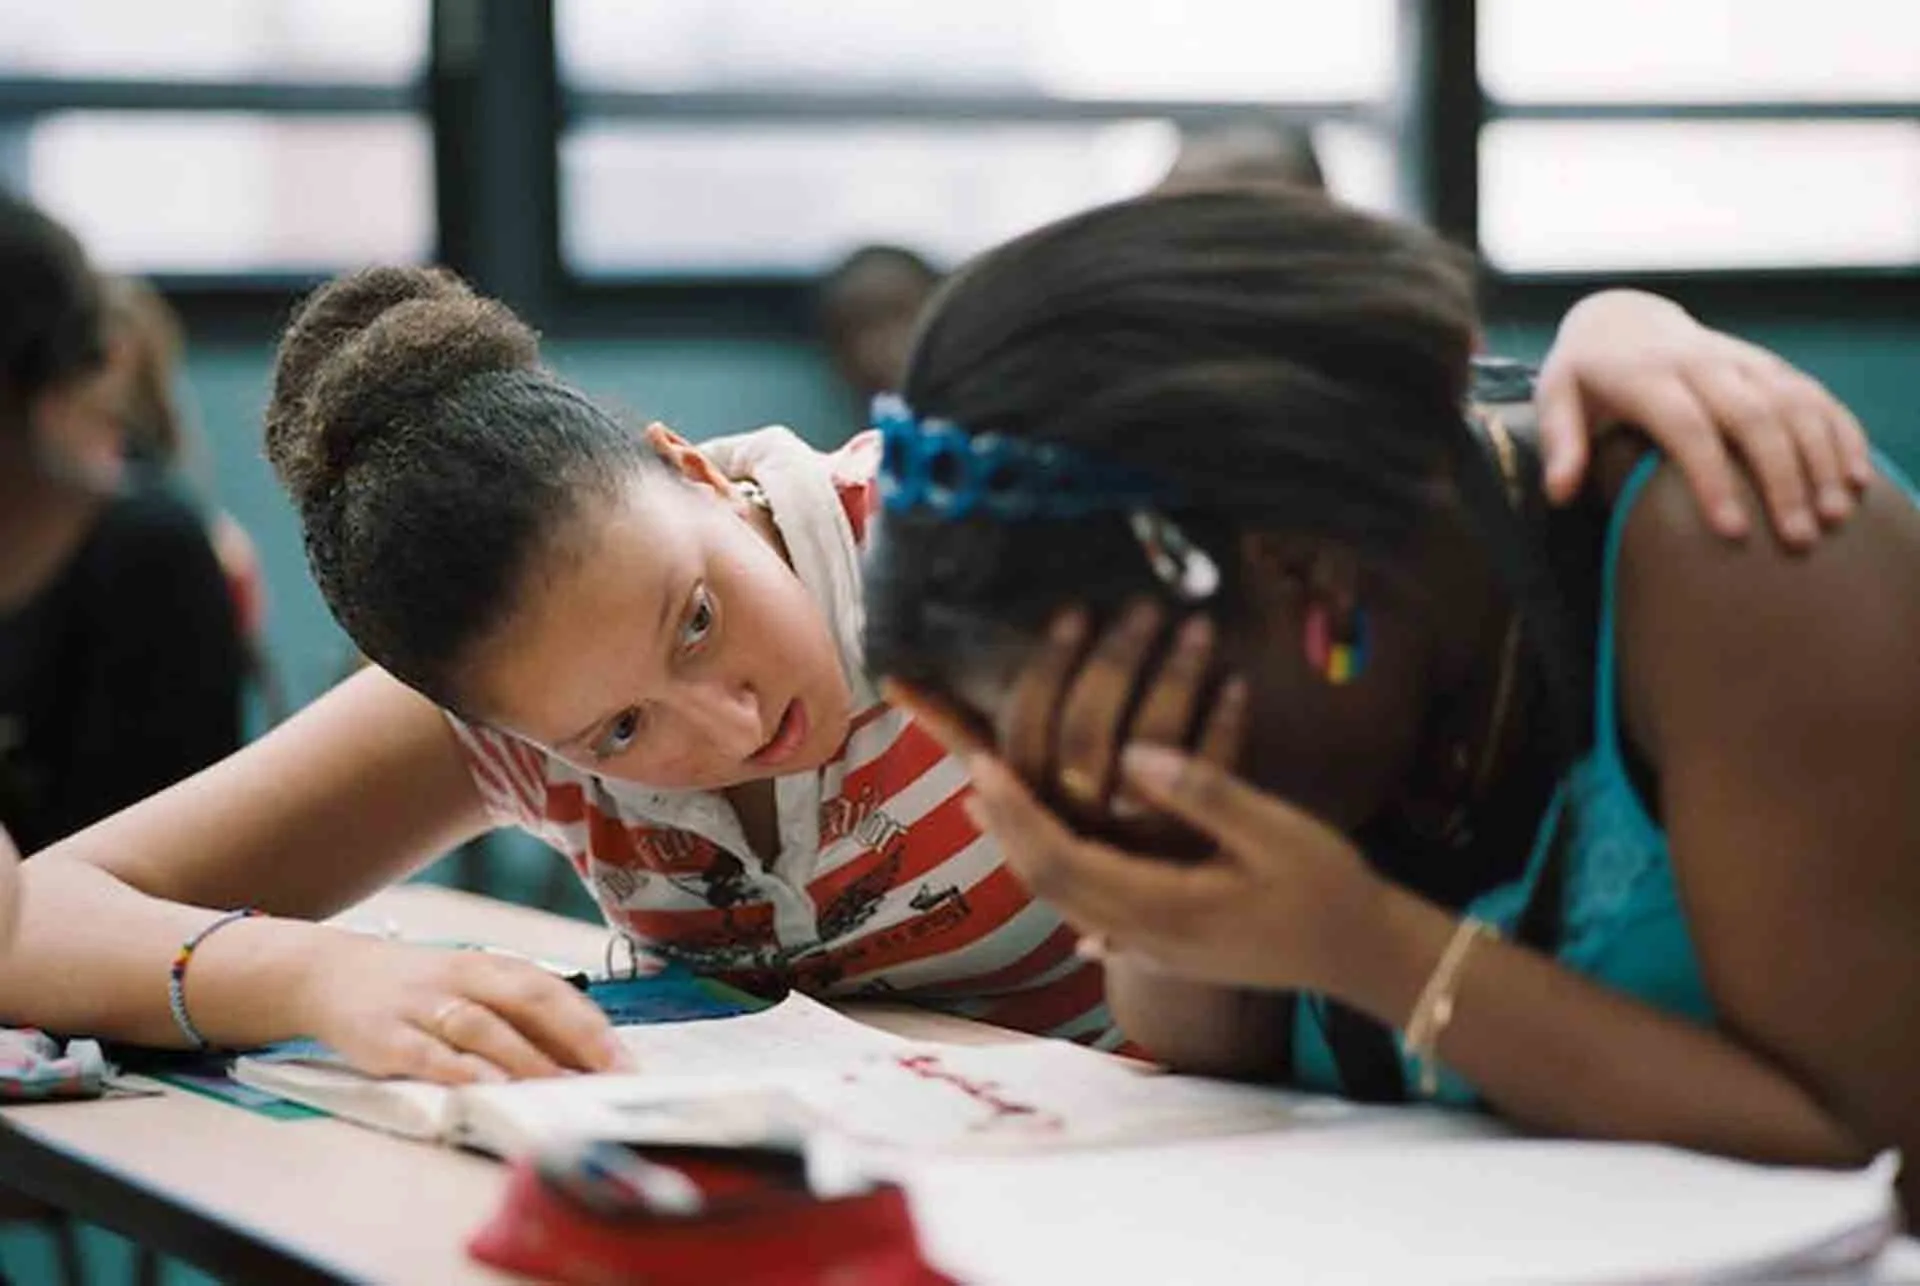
(882, 885)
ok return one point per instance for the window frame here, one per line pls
(492, 99)
(1877, 289)
(780, 305)
(1434, 119)
(236, 304)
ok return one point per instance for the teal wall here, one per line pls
(709, 387)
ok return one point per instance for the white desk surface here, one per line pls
(359, 1205)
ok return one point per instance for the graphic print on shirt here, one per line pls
(737, 945)
(855, 904)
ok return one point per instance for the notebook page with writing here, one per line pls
(801, 1074)
(1323, 1208)
(723, 1082)
(798, 1032)
(689, 1059)
(1034, 1096)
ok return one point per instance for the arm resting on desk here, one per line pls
(1552, 1051)
(352, 794)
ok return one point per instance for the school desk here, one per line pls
(249, 1198)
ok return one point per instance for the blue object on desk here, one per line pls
(672, 994)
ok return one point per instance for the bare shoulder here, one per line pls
(1777, 697)
(1703, 621)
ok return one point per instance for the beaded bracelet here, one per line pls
(177, 975)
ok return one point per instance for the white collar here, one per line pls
(805, 502)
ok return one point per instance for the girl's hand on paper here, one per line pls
(394, 1009)
(1625, 357)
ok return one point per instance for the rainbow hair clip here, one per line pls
(1338, 661)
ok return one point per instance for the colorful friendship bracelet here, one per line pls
(177, 974)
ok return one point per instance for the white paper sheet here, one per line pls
(1327, 1209)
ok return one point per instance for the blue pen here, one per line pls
(612, 1180)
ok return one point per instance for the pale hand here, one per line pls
(393, 1009)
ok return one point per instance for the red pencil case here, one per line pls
(600, 1214)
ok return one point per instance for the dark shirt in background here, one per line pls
(121, 676)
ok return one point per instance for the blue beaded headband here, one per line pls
(936, 468)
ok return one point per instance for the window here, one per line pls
(1700, 51)
(705, 140)
(734, 137)
(775, 197)
(209, 193)
(222, 138)
(1700, 134)
(1572, 195)
(376, 42)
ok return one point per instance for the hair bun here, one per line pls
(366, 350)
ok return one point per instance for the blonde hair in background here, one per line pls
(161, 429)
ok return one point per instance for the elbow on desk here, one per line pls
(1200, 1028)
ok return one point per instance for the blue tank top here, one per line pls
(1622, 923)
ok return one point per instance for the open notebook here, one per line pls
(787, 1075)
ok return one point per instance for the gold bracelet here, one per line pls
(1434, 1010)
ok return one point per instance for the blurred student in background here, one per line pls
(1246, 149)
(868, 305)
(144, 325)
(120, 660)
(145, 332)
(870, 301)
